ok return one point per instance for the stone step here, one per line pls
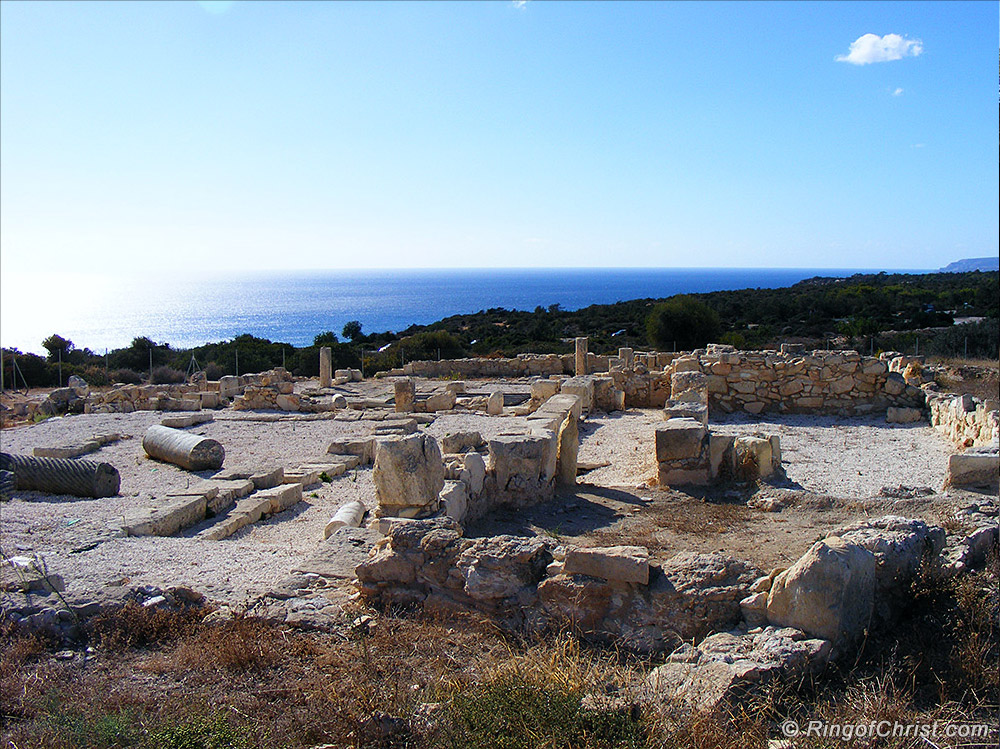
(251, 509)
(167, 519)
(262, 478)
(67, 451)
(188, 420)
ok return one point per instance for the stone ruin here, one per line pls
(750, 625)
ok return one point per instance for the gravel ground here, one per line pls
(81, 539)
(840, 457)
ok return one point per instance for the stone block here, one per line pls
(669, 475)
(405, 393)
(442, 400)
(473, 473)
(408, 472)
(67, 451)
(167, 519)
(722, 456)
(828, 593)
(623, 564)
(455, 498)
(461, 442)
(974, 467)
(754, 457)
(542, 390)
(686, 410)
(582, 387)
(680, 439)
(895, 415)
(363, 449)
(280, 498)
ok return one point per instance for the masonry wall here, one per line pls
(965, 421)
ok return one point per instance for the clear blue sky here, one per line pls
(255, 135)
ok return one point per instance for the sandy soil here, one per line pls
(849, 460)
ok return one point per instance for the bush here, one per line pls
(125, 375)
(95, 376)
(165, 375)
(682, 323)
(214, 372)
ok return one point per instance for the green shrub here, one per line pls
(682, 323)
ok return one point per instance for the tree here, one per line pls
(682, 321)
(352, 330)
(55, 344)
(325, 338)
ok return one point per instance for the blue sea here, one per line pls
(98, 312)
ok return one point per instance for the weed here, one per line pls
(136, 626)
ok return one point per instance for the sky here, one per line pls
(295, 135)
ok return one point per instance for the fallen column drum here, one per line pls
(190, 451)
(81, 478)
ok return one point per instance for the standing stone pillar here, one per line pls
(406, 394)
(581, 357)
(627, 356)
(325, 367)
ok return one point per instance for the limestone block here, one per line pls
(722, 456)
(624, 564)
(67, 451)
(894, 415)
(455, 498)
(562, 404)
(581, 359)
(405, 395)
(494, 404)
(167, 519)
(408, 472)
(895, 384)
(280, 497)
(828, 592)
(582, 387)
(288, 402)
(444, 400)
(668, 474)
(754, 457)
(542, 390)
(569, 449)
(517, 461)
(686, 410)
(680, 439)
(974, 467)
(325, 367)
(363, 449)
(461, 442)
(686, 364)
(474, 473)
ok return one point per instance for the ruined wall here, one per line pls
(808, 382)
(965, 421)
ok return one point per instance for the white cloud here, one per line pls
(898, 92)
(874, 48)
(519, 4)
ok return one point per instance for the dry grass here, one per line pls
(420, 681)
(977, 377)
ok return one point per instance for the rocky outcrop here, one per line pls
(828, 593)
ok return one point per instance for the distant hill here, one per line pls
(971, 264)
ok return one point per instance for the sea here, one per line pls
(102, 312)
